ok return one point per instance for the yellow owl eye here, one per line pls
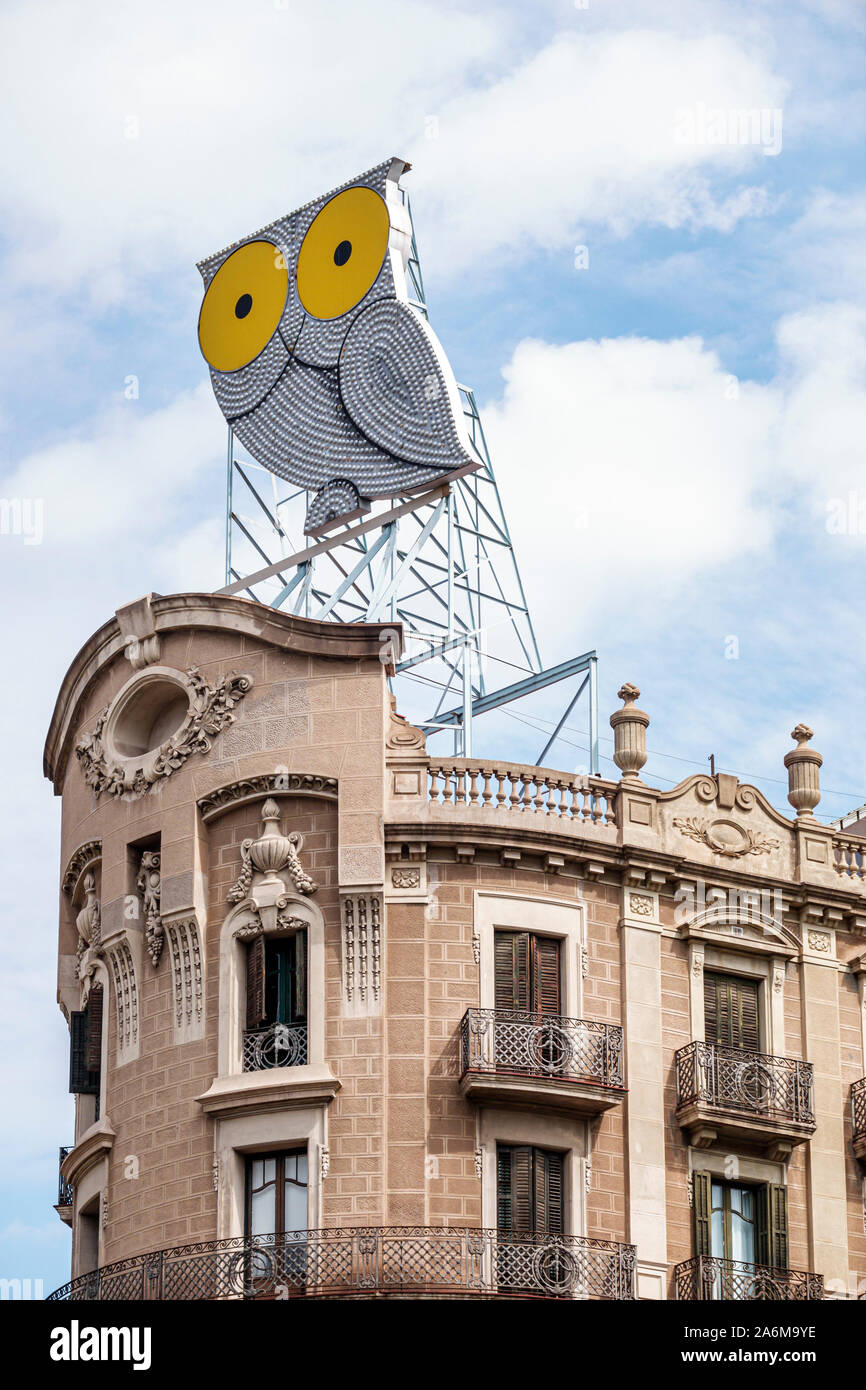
(342, 253)
(243, 305)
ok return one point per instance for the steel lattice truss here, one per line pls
(442, 564)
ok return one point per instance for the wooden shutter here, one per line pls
(771, 1212)
(702, 1198)
(256, 982)
(549, 1213)
(747, 1015)
(545, 975)
(731, 1012)
(94, 1029)
(82, 1081)
(503, 1189)
(511, 970)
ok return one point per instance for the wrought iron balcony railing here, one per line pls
(64, 1191)
(542, 1045)
(279, 1045)
(858, 1109)
(706, 1277)
(751, 1083)
(443, 1260)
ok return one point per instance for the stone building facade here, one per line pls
(346, 1019)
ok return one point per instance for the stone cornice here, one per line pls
(581, 845)
(204, 612)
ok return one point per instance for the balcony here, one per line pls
(65, 1191)
(279, 1045)
(744, 1097)
(402, 1261)
(706, 1277)
(858, 1112)
(510, 1057)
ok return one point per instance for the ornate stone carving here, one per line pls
(88, 853)
(88, 923)
(215, 1174)
(210, 712)
(362, 950)
(125, 996)
(778, 977)
(640, 905)
(294, 783)
(819, 941)
(148, 884)
(186, 969)
(587, 1174)
(476, 947)
(584, 961)
(629, 726)
(325, 1160)
(405, 878)
(272, 854)
(479, 1162)
(725, 837)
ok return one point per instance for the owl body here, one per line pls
(318, 361)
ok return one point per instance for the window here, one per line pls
(276, 1193)
(527, 972)
(276, 1013)
(529, 1190)
(736, 1221)
(275, 1223)
(731, 1011)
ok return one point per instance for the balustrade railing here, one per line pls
(279, 1045)
(516, 1042)
(444, 1260)
(65, 1193)
(858, 1108)
(848, 852)
(707, 1277)
(509, 787)
(731, 1078)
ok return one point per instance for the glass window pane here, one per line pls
(263, 1218)
(296, 1207)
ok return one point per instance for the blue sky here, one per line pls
(670, 425)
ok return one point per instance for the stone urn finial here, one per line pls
(804, 788)
(629, 726)
(271, 855)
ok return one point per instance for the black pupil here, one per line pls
(243, 306)
(342, 253)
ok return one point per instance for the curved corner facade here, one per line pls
(348, 1020)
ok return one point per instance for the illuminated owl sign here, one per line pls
(321, 366)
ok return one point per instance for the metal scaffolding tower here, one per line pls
(441, 563)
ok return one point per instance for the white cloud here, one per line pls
(662, 473)
(125, 475)
(146, 138)
(588, 132)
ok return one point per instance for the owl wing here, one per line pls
(398, 389)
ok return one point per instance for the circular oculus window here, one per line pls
(146, 714)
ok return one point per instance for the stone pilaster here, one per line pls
(645, 1156)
